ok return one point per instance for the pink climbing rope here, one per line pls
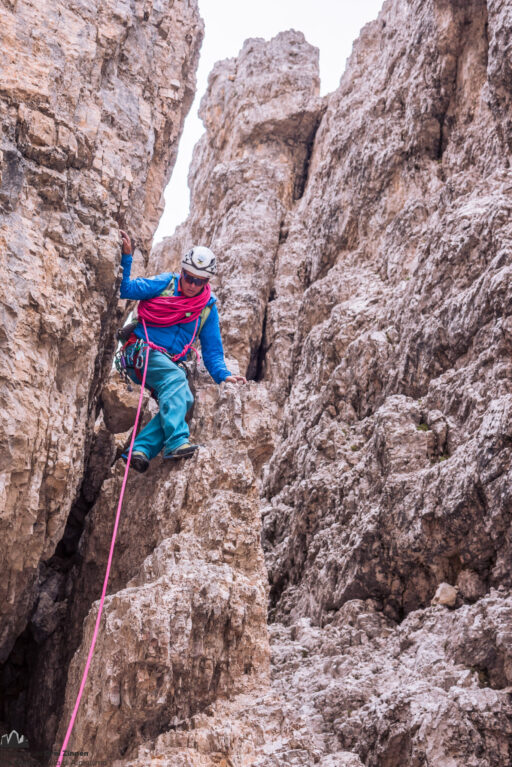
(171, 310)
(109, 563)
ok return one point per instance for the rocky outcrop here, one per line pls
(401, 358)
(185, 622)
(261, 114)
(363, 241)
(386, 347)
(93, 98)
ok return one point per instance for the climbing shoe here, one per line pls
(183, 451)
(139, 461)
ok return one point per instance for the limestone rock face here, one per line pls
(261, 113)
(392, 473)
(386, 345)
(364, 287)
(92, 102)
(189, 585)
(185, 619)
(119, 405)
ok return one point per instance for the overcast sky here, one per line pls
(331, 25)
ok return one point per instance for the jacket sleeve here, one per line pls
(141, 287)
(211, 347)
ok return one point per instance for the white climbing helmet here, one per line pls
(200, 261)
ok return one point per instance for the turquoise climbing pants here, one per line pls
(167, 429)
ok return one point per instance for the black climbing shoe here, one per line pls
(139, 461)
(183, 451)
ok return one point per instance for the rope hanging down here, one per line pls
(109, 563)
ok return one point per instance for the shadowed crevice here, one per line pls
(257, 363)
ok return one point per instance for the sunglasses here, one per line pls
(193, 280)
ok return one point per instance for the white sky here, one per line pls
(331, 25)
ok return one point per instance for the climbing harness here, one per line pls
(109, 563)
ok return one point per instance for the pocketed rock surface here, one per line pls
(327, 581)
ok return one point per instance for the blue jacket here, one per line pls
(175, 337)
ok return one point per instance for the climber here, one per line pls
(177, 309)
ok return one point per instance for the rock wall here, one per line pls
(399, 390)
(185, 619)
(386, 346)
(202, 562)
(261, 114)
(359, 485)
(93, 98)
(391, 472)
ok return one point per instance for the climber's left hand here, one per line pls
(236, 379)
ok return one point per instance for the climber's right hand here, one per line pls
(127, 244)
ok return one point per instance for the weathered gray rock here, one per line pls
(119, 405)
(386, 286)
(364, 282)
(398, 410)
(445, 595)
(185, 619)
(392, 467)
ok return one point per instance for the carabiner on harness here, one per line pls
(138, 361)
(128, 356)
(121, 365)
